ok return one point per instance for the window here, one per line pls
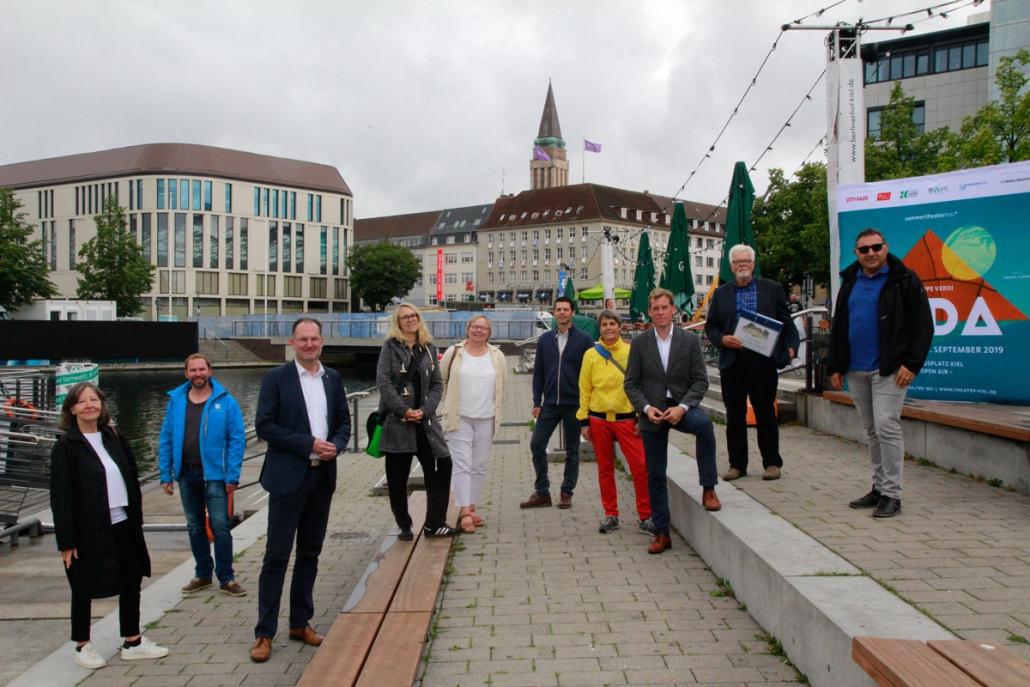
(198, 239)
(132, 196)
(184, 194)
(273, 246)
(257, 201)
(287, 255)
(317, 287)
(229, 257)
(432, 278)
(339, 288)
(450, 240)
(468, 257)
(275, 202)
(710, 243)
(264, 202)
(243, 242)
(291, 287)
(207, 282)
(71, 244)
(298, 248)
(572, 252)
(323, 250)
(228, 198)
(180, 239)
(490, 277)
(238, 284)
(698, 259)
(451, 258)
(450, 278)
(311, 207)
(173, 194)
(293, 205)
(710, 262)
(559, 253)
(336, 250)
(162, 239)
(144, 239)
(318, 208)
(874, 116)
(213, 243)
(132, 227)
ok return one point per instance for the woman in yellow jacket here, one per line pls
(607, 416)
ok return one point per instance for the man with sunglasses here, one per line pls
(881, 334)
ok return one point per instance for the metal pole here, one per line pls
(809, 355)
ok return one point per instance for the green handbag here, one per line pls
(374, 429)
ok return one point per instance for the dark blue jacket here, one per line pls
(282, 421)
(556, 376)
(222, 436)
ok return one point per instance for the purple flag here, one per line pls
(539, 154)
(591, 146)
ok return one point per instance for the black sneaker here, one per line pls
(647, 527)
(609, 524)
(870, 500)
(887, 508)
(441, 531)
(405, 534)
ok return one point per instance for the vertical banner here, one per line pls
(70, 374)
(845, 129)
(439, 275)
(964, 234)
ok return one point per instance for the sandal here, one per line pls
(475, 518)
(461, 519)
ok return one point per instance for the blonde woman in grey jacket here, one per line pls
(473, 374)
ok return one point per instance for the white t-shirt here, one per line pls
(117, 494)
(477, 379)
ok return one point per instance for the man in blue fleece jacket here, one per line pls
(559, 355)
(202, 442)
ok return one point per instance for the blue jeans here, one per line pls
(656, 449)
(198, 496)
(550, 417)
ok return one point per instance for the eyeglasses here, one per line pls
(478, 328)
(746, 261)
(410, 316)
(875, 247)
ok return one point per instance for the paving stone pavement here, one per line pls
(210, 634)
(539, 597)
(959, 551)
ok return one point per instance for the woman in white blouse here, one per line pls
(98, 519)
(473, 372)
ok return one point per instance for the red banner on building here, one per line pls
(439, 275)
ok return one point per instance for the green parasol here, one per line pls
(676, 274)
(643, 280)
(738, 220)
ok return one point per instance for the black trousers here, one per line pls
(130, 574)
(304, 514)
(437, 473)
(751, 375)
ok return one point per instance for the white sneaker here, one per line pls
(87, 657)
(146, 649)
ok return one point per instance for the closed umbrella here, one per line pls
(643, 281)
(738, 220)
(676, 274)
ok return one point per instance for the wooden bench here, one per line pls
(379, 636)
(939, 663)
(982, 418)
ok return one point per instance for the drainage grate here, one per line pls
(348, 536)
(504, 442)
(514, 424)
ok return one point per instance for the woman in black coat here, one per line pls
(98, 519)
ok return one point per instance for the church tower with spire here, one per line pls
(549, 166)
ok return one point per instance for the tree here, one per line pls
(23, 270)
(1000, 131)
(111, 265)
(381, 272)
(791, 225)
(900, 150)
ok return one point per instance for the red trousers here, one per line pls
(603, 435)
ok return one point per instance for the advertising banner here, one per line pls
(964, 234)
(70, 374)
(439, 275)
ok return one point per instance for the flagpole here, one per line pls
(583, 153)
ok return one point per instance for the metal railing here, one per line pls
(375, 329)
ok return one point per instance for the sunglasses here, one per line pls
(875, 247)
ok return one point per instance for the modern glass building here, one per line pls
(229, 232)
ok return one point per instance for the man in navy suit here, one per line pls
(745, 373)
(302, 414)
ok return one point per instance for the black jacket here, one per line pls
(906, 325)
(556, 375)
(82, 516)
(772, 302)
(282, 421)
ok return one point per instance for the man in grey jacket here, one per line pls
(665, 381)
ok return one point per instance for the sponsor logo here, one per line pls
(884, 195)
(970, 184)
(1014, 180)
(856, 199)
(908, 193)
(936, 189)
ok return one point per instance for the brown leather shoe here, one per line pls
(661, 543)
(565, 501)
(732, 474)
(261, 650)
(306, 634)
(537, 501)
(709, 500)
(772, 472)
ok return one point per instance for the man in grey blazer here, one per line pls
(665, 381)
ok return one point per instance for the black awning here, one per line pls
(544, 293)
(524, 294)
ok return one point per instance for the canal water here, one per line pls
(138, 400)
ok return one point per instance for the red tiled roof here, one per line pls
(394, 226)
(174, 158)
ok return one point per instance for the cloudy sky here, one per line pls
(431, 104)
